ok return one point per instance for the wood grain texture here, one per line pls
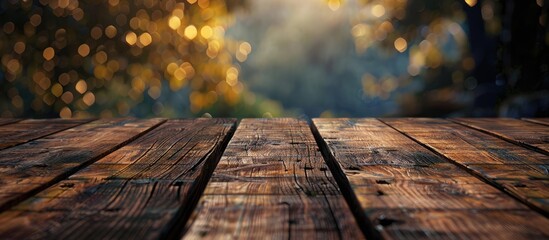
(512, 168)
(272, 182)
(5, 121)
(30, 167)
(28, 130)
(409, 192)
(543, 121)
(531, 135)
(136, 192)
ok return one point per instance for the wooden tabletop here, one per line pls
(401, 178)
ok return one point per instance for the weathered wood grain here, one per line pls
(503, 164)
(137, 192)
(544, 121)
(30, 167)
(28, 130)
(272, 183)
(409, 192)
(5, 121)
(531, 135)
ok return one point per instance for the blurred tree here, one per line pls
(520, 64)
(523, 58)
(434, 35)
(73, 58)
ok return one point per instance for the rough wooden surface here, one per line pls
(277, 179)
(408, 191)
(515, 169)
(30, 167)
(272, 182)
(531, 135)
(543, 121)
(28, 130)
(5, 121)
(135, 192)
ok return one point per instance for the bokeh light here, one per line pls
(243, 58)
(116, 57)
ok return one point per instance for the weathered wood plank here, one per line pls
(33, 166)
(531, 135)
(272, 183)
(544, 121)
(136, 192)
(5, 121)
(503, 164)
(408, 191)
(28, 130)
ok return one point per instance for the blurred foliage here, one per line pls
(470, 57)
(73, 58)
(175, 58)
(436, 37)
(523, 59)
(360, 58)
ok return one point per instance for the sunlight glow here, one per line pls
(84, 50)
(174, 22)
(190, 32)
(145, 39)
(131, 38)
(378, 10)
(48, 53)
(334, 4)
(400, 44)
(471, 3)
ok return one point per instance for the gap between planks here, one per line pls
(542, 121)
(367, 226)
(61, 170)
(415, 170)
(182, 216)
(6, 121)
(142, 190)
(512, 130)
(272, 182)
(475, 168)
(20, 132)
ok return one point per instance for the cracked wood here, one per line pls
(28, 168)
(408, 191)
(517, 170)
(28, 130)
(136, 192)
(272, 182)
(531, 135)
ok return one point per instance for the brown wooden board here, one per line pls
(28, 130)
(5, 121)
(409, 192)
(512, 168)
(140, 191)
(527, 134)
(544, 121)
(30, 167)
(272, 183)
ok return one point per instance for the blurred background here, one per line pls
(263, 58)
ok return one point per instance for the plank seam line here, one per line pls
(524, 145)
(535, 122)
(49, 134)
(176, 228)
(300, 137)
(15, 121)
(65, 175)
(366, 226)
(473, 173)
